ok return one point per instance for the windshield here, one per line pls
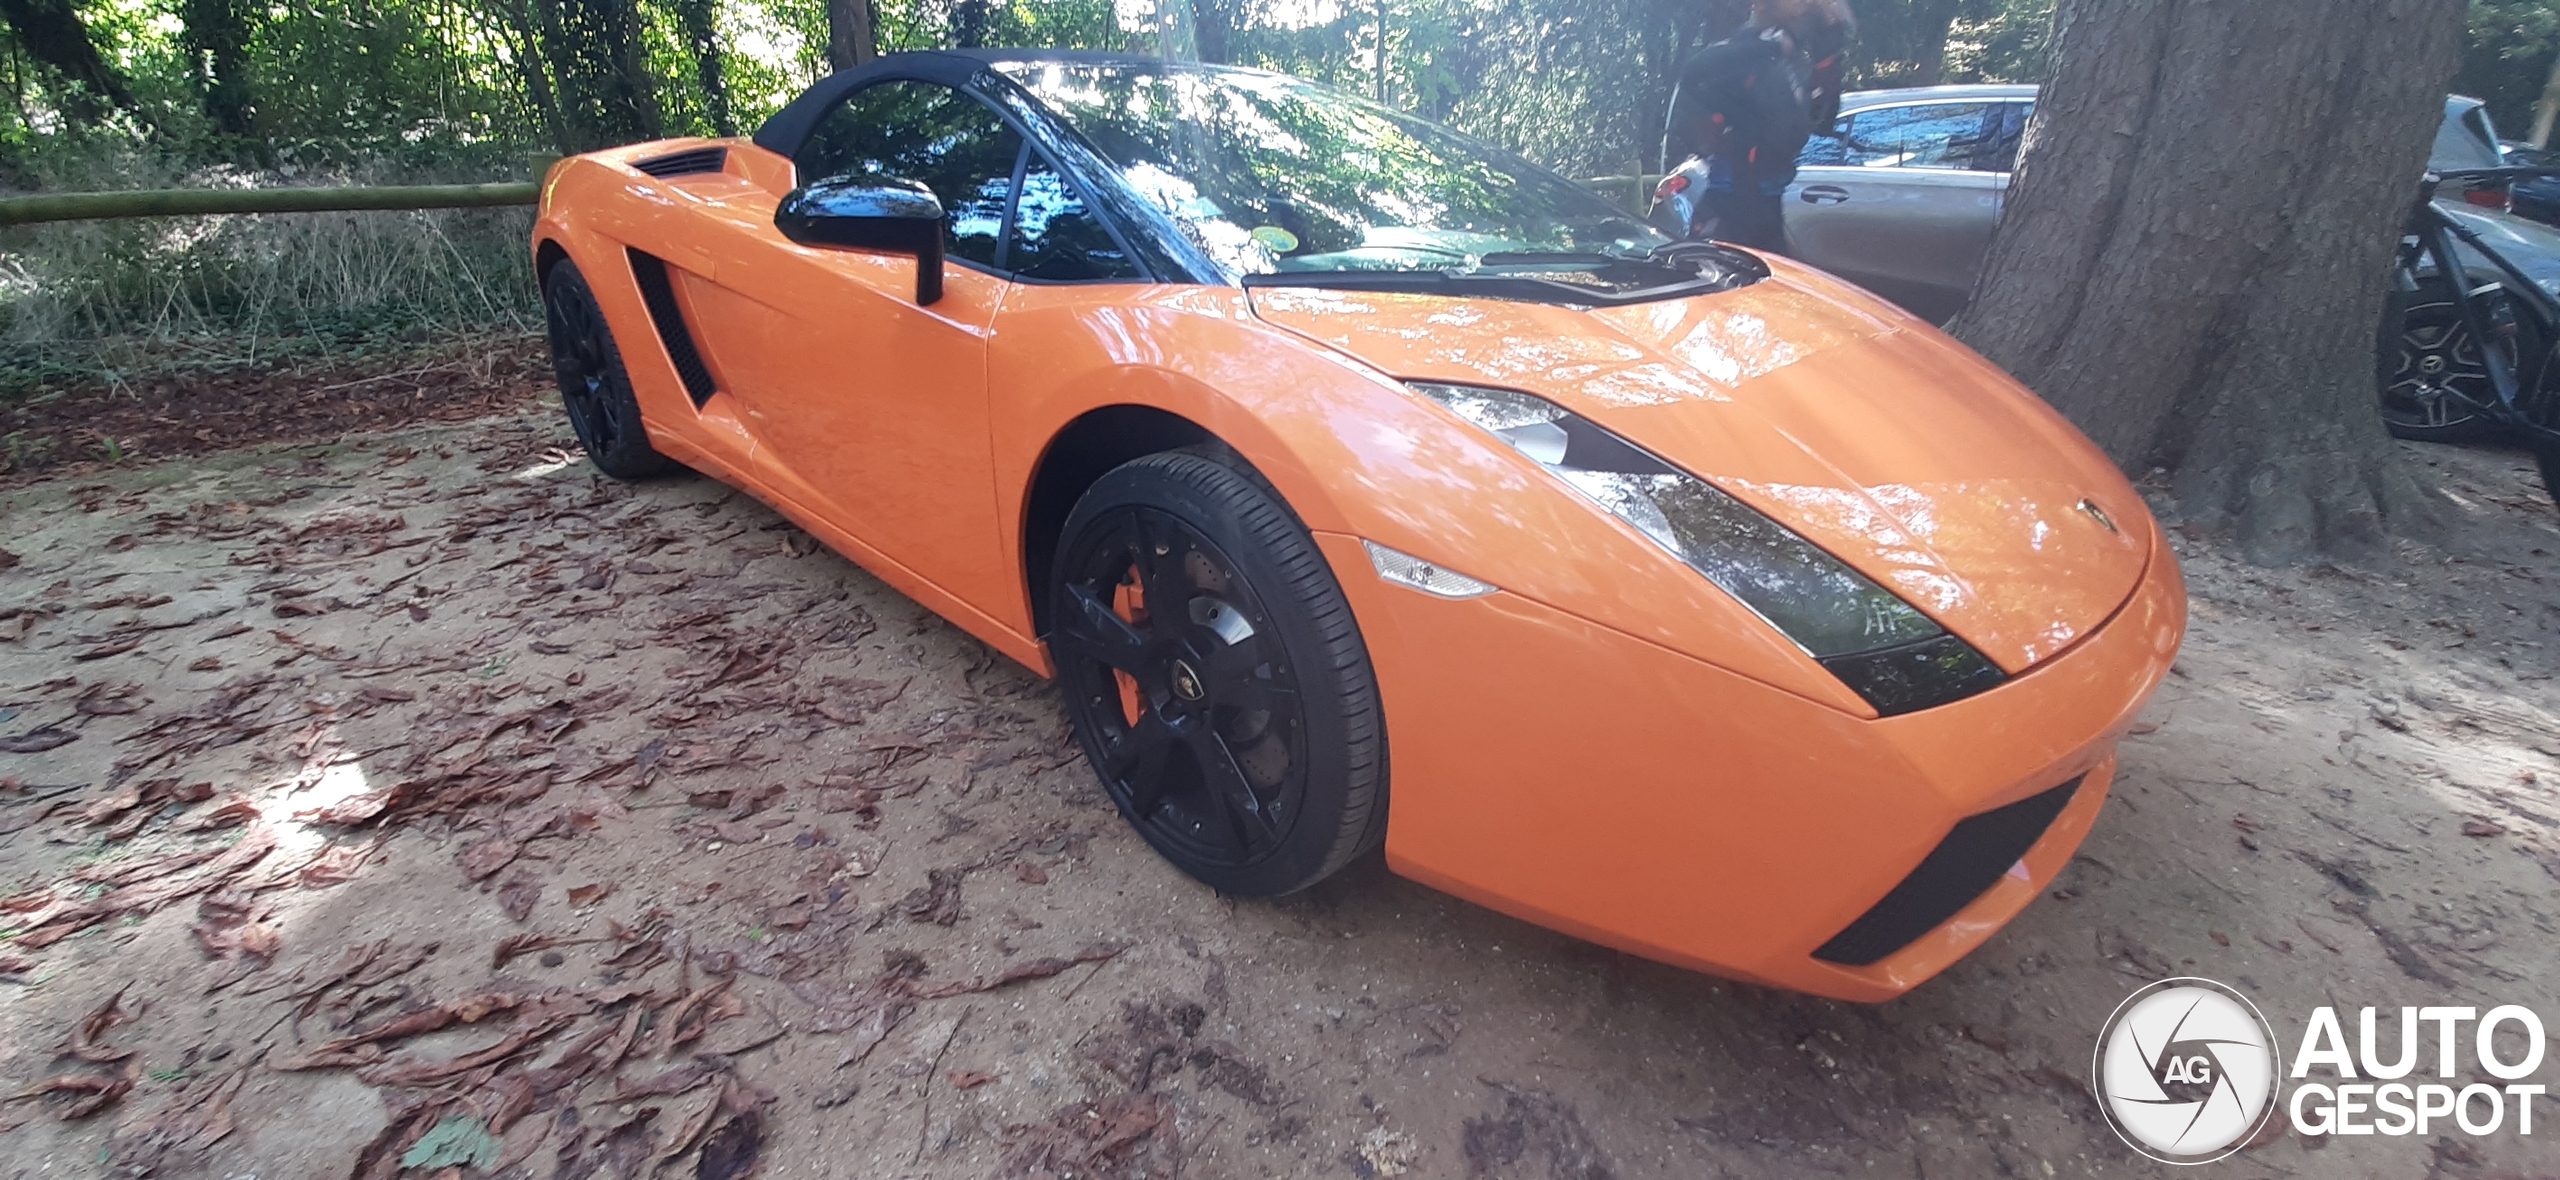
(1266, 173)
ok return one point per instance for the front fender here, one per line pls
(1355, 453)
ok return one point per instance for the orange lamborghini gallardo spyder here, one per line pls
(1363, 484)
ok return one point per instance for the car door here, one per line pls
(1902, 201)
(867, 408)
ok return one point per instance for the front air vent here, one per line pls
(685, 163)
(660, 295)
(1961, 868)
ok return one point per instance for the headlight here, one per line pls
(1877, 644)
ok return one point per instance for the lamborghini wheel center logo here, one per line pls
(2186, 1071)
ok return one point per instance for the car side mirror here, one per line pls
(870, 213)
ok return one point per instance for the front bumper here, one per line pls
(1585, 780)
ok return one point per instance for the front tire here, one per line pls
(1215, 677)
(594, 388)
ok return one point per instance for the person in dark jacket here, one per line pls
(1747, 104)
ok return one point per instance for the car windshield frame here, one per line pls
(1202, 221)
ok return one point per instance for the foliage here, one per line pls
(233, 92)
(2507, 58)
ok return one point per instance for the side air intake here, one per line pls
(660, 295)
(684, 163)
(1961, 868)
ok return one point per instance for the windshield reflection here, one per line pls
(1265, 173)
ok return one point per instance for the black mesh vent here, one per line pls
(685, 163)
(660, 295)
(1965, 864)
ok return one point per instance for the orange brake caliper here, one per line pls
(1129, 602)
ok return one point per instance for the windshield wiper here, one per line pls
(1557, 258)
(1597, 280)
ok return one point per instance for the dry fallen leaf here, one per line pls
(334, 865)
(970, 1079)
(2481, 827)
(938, 902)
(1041, 968)
(102, 1089)
(37, 741)
(229, 811)
(583, 896)
(88, 1038)
(104, 700)
(518, 894)
(246, 938)
(515, 945)
(179, 1129)
(482, 858)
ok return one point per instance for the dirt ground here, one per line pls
(422, 799)
(175, 405)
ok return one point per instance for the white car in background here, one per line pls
(1904, 199)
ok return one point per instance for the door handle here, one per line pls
(1823, 194)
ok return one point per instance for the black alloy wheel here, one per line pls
(594, 388)
(2432, 368)
(1215, 677)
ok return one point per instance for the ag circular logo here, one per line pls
(2186, 1070)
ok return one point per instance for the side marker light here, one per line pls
(1413, 573)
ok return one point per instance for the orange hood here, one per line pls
(1869, 432)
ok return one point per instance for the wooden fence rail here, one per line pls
(189, 202)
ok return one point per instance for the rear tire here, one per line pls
(594, 388)
(1215, 677)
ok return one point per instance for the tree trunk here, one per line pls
(217, 41)
(523, 36)
(1930, 21)
(703, 38)
(599, 71)
(850, 41)
(1213, 24)
(1382, 52)
(969, 19)
(54, 34)
(2192, 259)
(2547, 108)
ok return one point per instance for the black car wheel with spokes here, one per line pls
(2432, 368)
(1215, 677)
(594, 389)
